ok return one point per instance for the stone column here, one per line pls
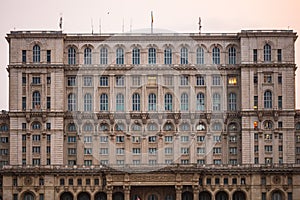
(178, 189)
(109, 193)
(196, 192)
(126, 192)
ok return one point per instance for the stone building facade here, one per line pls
(151, 116)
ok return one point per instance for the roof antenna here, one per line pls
(199, 25)
(92, 26)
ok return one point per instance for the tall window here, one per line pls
(151, 56)
(36, 54)
(268, 99)
(71, 56)
(136, 102)
(103, 56)
(184, 56)
(200, 80)
(232, 101)
(120, 102)
(168, 102)
(36, 100)
(48, 56)
(232, 55)
(152, 102)
(103, 102)
(136, 56)
(200, 56)
(168, 56)
(254, 55)
(216, 101)
(279, 55)
(184, 102)
(87, 102)
(200, 101)
(87, 56)
(216, 55)
(267, 53)
(120, 56)
(24, 56)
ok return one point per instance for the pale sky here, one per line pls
(175, 15)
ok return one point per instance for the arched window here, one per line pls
(136, 102)
(184, 56)
(169, 197)
(151, 56)
(119, 56)
(221, 196)
(136, 56)
(152, 197)
(201, 127)
(232, 56)
(268, 124)
(36, 126)
(72, 102)
(232, 101)
(216, 101)
(136, 127)
(100, 196)
(28, 196)
(239, 195)
(36, 54)
(200, 101)
(168, 56)
(66, 196)
(71, 127)
(103, 102)
(119, 127)
(187, 195)
(168, 102)
(103, 56)
(71, 56)
(184, 102)
(267, 53)
(185, 127)
(216, 55)
(268, 99)
(36, 100)
(152, 127)
(104, 127)
(200, 56)
(120, 102)
(277, 195)
(152, 102)
(168, 127)
(87, 104)
(204, 196)
(87, 56)
(88, 127)
(217, 126)
(118, 196)
(83, 196)
(232, 127)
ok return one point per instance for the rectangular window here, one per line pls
(96, 181)
(184, 138)
(232, 80)
(280, 102)
(217, 138)
(200, 150)
(87, 81)
(136, 80)
(88, 181)
(255, 148)
(72, 81)
(185, 150)
(36, 161)
(217, 150)
(168, 150)
(23, 138)
(120, 162)
(152, 151)
(232, 138)
(279, 55)
(168, 80)
(268, 148)
(24, 56)
(48, 79)
(233, 150)
(136, 150)
(184, 80)
(279, 79)
(87, 139)
(256, 160)
(48, 102)
(103, 139)
(120, 151)
(87, 162)
(267, 78)
(263, 196)
(71, 162)
(88, 151)
(208, 181)
(36, 80)
(48, 56)
(103, 151)
(152, 139)
(168, 138)
(255, 102)
(200, 80)
(70, 181)
(24, 79)
(48, 138)
(151, 80)
(15, 197)
(290, 196)
(72, 151)
(254, 55)
(200, 138)
(120, 139)
(201, 162)
(24, 103)
(280, 124)
(103, 80)
(120, 81)
(216, 80)
(225, 181)
(71, 139)
(36, 137)
(136, 139)
(255, 79)
(48, 149)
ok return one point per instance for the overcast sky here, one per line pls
(174, 15)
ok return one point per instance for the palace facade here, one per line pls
(162, 116)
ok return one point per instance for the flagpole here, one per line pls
(151, 21)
